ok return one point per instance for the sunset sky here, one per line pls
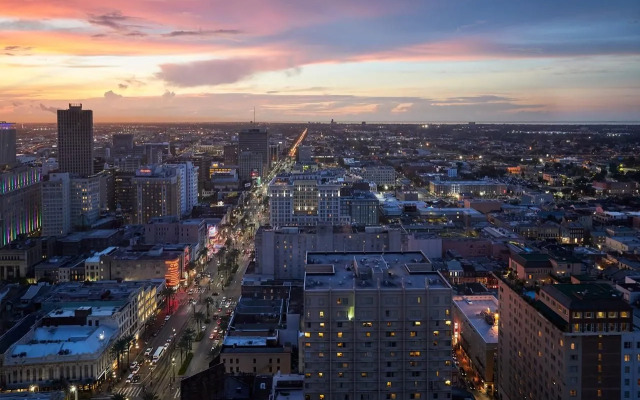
(299, 60)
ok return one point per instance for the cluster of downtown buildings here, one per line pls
(362, 286)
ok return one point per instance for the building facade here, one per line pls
(7, 144)
(56, 205)
(20, 203)
(565, 343)
(281, 252)
(305, 200)
(75, 140)
(157, 194)
(255, 140)
(376, 326)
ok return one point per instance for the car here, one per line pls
(129, 378)
(167, 318)
(212, 336)
(148, 351)
(190, 291)
(204, 328)
(136, 369)
(133, 365)
(135, 379)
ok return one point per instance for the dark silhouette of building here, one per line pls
(75, 140)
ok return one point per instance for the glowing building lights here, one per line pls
(173, 272)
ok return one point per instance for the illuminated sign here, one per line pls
(212, 231)
(172, 274)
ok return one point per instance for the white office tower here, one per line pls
(188, 185)
(56, 205)
(376, 326)
(300, 200)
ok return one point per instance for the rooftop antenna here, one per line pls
(254, 115)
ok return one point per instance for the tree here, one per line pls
(208, 301)
(183, 344)
(167, 294)
(119, 347)
(199, 316)
(128, 339)
(190, 334)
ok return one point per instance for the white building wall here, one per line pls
(56, 205)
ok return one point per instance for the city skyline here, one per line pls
(156, 61)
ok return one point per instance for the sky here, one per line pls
(347, 60)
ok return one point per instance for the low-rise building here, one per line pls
(475, 330)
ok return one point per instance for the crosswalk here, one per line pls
(130, 391)
(135, 391)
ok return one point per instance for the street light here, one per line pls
(173, 365)
(74, 390)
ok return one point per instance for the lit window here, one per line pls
(339, 334)
(340, 374)
(320, 334)
(321, 397)
(368, 334)
(363, 374)
(307, 344)
(416, 323)
(307, 334)
(321, 324)
(413, 333)
(388, 383)
(573, 393)
(627, 358)
(339, 354)
(321, 314)
(573, 346)
(320, 374)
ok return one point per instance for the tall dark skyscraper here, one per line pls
(255, 140)
(7, 144)
(75, 140)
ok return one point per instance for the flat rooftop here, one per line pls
(61, 341)
(475, 309)
(356, 270)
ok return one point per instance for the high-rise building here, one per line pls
(230, 152)
(20, 203)
(7, 144)
(123, 192)
(75, 140)
(188, 185)
(157, 193)
(155, 153)
(305, 200)
(250, 166)
(122, 144)
(376, 326)
(56, 204)
(568, 341)
(255, 140)
(84, 201)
